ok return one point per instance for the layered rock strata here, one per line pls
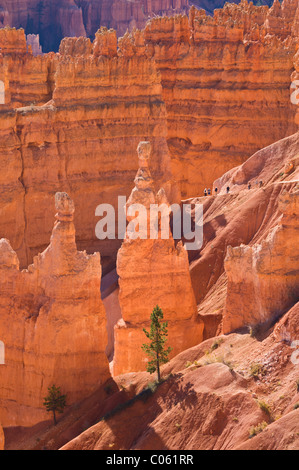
(263, 280)
(216, 72)
(246, 215)
(152, 271)
(105, 101)
(52, 322)
(221, 91)
(53, 20)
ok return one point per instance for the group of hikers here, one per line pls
(207, 192)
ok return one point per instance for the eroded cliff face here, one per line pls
(151, 272)
(210, 90)
(263, 280)
(54, 20)
(226, 86)
(52, 322)
(105, 100)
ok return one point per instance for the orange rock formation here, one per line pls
(213, 404)
(226, 86)
(207, 92)
(58, 19)
(151, 272)
(1, 438)
(249, 217)
(52, 322)
(263, 280)
(105, 102)
(287, 328)
(215, 89)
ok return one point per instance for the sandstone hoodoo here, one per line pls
(263, 278)
(57, 19)
(151, 272)
(52, 322)
(104, 102)
(226, 85)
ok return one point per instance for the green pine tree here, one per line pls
(156, 348)
(55, 402)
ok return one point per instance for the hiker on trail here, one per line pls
(216, 191)
(249, 185)
(206, 192)
(261, 184)
(209, 192)
(227, 189)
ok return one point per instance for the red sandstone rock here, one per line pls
(79, 101)
(100, 111)
(151, 272)
(211, 403)
(216, 70)
(58, 19)
(263, 280)
(245, 217)
(287, 329)
(1, 438)
(52, 322)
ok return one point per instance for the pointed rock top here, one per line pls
(65, 207)
(144, 154)
(143, 178)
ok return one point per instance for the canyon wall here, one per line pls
(55, 19)
(52, 322)
(151, 272)
(295, 78)
(210, 90)
(226, 85)
(105, 100)
(263, 280)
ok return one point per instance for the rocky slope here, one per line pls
(257, 217)
(263, 278)
(230, 392)
(52, 322)
(214, 388)
(222, 80)
(94, 103)
(101, 109)
(213, 400)
(216, 397)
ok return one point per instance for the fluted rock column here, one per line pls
(151, 272)
(52, 322)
